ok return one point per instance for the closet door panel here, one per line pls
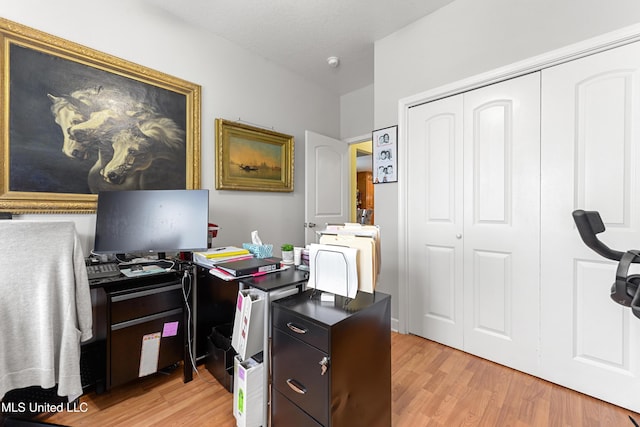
(492, 302)
(603, 144)
(492, 163)
(590, 158)
(501, 221)
(435, 221)
(598, 339)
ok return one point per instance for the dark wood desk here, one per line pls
(214, 305)
(210, 310)
(122, 304)
(216, 299)
(126, 309)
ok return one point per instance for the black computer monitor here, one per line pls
(151, 221)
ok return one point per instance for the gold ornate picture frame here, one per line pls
(76, 121)
(252, 159)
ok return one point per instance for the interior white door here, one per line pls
(434, 211)
(590, 160)
(327, 184)
(502, 221)
(473, 221)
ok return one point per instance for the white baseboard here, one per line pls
(394, 325)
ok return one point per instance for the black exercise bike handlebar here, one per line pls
(626, 289)
(589, 225)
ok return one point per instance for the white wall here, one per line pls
(463, 39)
(356, 113)
(235, 85)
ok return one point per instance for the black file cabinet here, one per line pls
(331, 361)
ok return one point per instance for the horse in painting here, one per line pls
(136, 149)
(82, 114)
(122, 136)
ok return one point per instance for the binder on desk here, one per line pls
(220, 255)
(223, 252)
(249, 266)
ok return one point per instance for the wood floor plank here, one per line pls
(432, 385)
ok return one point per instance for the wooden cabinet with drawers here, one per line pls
(150, 309)
(331, 361)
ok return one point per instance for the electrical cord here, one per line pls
(186, 280)
(186, 291)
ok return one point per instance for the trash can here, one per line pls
(220, 355)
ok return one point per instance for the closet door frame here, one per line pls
(588, 47)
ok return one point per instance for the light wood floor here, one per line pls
(433, 385)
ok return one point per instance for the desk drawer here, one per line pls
(145, 302)
(301, 328)
(126, 342)
(286, 414)
(297, 374)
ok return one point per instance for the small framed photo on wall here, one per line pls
(385, 155)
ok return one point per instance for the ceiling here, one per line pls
(300, 35)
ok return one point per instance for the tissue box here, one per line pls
(259, 251)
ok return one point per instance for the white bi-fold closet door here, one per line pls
(473, 221)
(591, 161)
(495, 264)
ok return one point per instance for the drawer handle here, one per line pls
(295, 329)
(293, 384)
(324, 365)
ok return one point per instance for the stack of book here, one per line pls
(220, 255)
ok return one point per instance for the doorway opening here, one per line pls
(362, 195)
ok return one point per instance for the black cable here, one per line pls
(185, 295)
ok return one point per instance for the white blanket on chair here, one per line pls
(45, 306)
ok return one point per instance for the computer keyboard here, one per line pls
(99, 271)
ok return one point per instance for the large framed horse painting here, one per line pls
(76, 122)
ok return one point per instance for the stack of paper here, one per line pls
(359, 230)
(219, 255)
(366, 259)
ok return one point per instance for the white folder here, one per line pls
(248, 325)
